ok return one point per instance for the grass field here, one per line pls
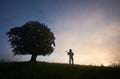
(41, 70)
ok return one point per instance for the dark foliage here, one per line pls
(32, 38)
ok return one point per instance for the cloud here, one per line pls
(90, 28)
(93, 38)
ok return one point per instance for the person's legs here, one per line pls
(72, 60)
(69, 60)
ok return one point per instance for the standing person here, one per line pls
(70, 53)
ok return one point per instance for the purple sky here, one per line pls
(90, 27)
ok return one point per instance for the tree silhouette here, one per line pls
(31, 38)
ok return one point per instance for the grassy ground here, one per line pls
(40, 70)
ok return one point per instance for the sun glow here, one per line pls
(106, 64)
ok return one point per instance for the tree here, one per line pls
(31, 38)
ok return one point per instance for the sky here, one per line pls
(91, 28)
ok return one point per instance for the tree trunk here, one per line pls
(33, 58)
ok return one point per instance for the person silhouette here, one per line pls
(70, 53)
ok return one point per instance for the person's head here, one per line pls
(70, 50)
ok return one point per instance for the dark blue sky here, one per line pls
(73, 23)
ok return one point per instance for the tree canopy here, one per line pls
(33, 38)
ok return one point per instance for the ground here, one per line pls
(42, 70)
